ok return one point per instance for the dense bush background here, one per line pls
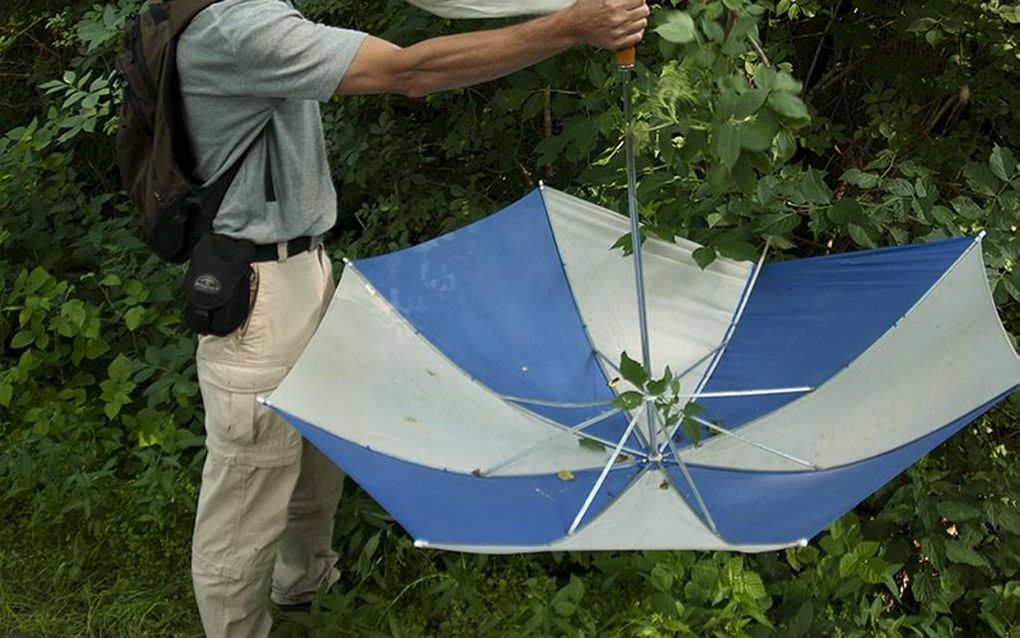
(821, 125)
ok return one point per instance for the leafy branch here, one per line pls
(663, 393)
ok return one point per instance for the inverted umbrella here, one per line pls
(467, 383)
(489, 8)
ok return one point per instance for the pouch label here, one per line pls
(207, 284)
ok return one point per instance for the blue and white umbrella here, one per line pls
(456, 380)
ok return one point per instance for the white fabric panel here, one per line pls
(689, 309)
(948, 355)
(489, 8)
(369, 378)
(650, 515)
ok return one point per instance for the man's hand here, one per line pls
(609, 24)
(471, 58)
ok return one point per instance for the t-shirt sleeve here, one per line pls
(278, 53)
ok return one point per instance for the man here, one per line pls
(252, 73)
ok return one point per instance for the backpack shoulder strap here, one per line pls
(178, 12)
(212, 196)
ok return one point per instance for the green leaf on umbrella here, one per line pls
(591, 444)
(693, 409)
(657, 387)
(629, 400)
(632, 371)
(693, 431)
(704, 256)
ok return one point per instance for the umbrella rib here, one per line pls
(748, 393)
(616, 371)
(555, 404)
(760, 446)
(602, 477)
(577, 434)
(721, 430)
(642, 470)
(690, 368)
(721, 394)
(703, 359)
(694, 488)
(709, 395)
(735, 393)
(584, 326)
(608, 362)
(721, 349)
(513, 459)
(725, 394)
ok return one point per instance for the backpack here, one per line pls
(155, 160)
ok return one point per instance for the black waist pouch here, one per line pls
(217, 285)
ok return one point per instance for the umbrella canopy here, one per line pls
(489, 8)
(462, 382)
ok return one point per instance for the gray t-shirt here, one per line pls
(254, 71)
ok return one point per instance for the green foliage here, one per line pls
(815, 126)
(674, 412)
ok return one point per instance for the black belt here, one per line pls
(283, 250)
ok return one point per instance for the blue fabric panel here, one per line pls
(783, 507)
(494, 298)
(809, 318)
(458, 509)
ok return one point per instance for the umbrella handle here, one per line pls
(625, 58)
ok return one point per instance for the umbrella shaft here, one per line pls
(635, 235)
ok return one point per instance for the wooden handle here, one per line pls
(626, 57)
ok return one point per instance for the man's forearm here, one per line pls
(470, 58)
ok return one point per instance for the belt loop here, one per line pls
(281, 251)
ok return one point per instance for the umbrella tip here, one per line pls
(802, 542)
(420, 544)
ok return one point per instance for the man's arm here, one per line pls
(470, 58)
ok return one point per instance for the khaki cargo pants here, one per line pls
(268, 498)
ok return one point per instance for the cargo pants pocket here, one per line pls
(239, 429)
